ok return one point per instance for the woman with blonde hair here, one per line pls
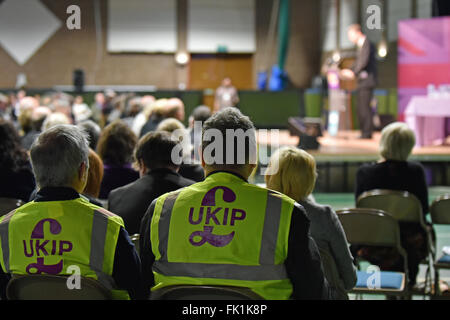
(293, 172)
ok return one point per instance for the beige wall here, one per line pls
(67, 50)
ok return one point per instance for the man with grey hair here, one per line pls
(225, 231)
(81, 236)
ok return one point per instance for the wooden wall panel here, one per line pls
(207, 71)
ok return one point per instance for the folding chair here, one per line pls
(374, 227)
(405, 207)
(440, 214)
(51, 287)
(9, 204)
(332, 273)
(199, 292)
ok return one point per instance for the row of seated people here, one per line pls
(275, 234)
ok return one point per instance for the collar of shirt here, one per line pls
(162, 171)
(56, 194)
(227, 173)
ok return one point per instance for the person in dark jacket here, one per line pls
(158, 176)
(365, 71)
(115, 148)
(189, 168)
(16, 176)
(395, 172)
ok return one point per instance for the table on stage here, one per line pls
(426, 116)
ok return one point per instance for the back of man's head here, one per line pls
(57, 154)
(155, 150)
(201, 113)
(228, 140)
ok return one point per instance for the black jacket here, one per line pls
(393, 175)
(132, 201)
(365, 66)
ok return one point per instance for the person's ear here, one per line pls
(82, 171)
(200, 153)
(142, 168)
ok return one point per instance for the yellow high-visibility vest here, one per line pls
(50, 236)
(223, 231)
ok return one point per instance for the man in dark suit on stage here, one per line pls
(365, 70)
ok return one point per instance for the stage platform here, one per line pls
(338, 158)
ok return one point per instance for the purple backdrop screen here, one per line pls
(423, 57)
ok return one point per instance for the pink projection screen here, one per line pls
(423, 57)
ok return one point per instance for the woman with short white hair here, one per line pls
(394, 172)
(293, 172)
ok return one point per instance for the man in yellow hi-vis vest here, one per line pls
(225, 231)
(60, 232)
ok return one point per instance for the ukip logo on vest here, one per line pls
(40, 248)
(212, 215)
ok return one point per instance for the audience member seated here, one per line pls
(293, 172)
(225, 231)
(188, 168)
(395, 172)
(175, 109)
(115, 148)
(81, 111)
(16, 176)
(141, 118)
(92, 238)
(38, 116)
(198, 116)
(55, 119)
(62, 105)
(158, 175)
(156, 114)
(132, 110)
(93, 131)
(94, 180)
(24, 121)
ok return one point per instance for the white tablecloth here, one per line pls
(426, 117)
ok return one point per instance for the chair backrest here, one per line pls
(332, 273)
(192, 292)
(402, 205)
(371, 227)
(9, 204)
(50, 287)
(440, 210)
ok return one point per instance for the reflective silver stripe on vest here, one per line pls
(164, 223)
(267, 270)
(97, 254)
(4, 235)
(270, 230)
(220, 271)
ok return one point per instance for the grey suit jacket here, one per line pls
(327, 232)
(365, 66)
